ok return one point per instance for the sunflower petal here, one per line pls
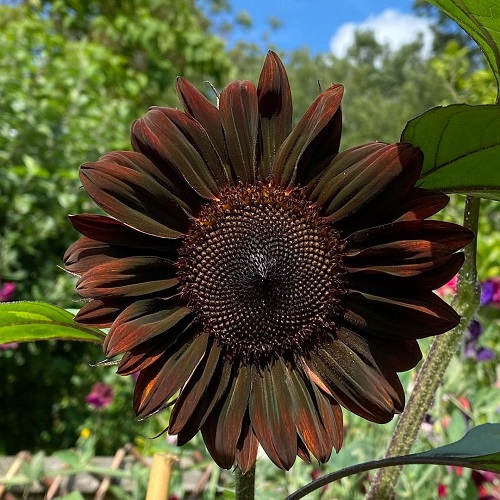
(100, 313)
(275, 109)
(430, 279)
(309, 426)
(114, 232)
(238, 109)
(191, 395)
(357, 179)
(247, 447)
(229, 416)
(134, 198)
(396, 317)
(143, 320)
(201, 109)
(452, 236)
(270, 414)
(360, 388)
(314, 140)
(130, 276)
(198, 415)
(164, 131)
(158, 382)
(400, 258)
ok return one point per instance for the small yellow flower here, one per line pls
(85, 433)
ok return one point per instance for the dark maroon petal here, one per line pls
(238, 107)
(381, 355)
(130, 276)
(271, 417)
(148, 352)
(101, 313)
(275, 109)
(357, 386)
(400, 258)
(248, 445)
(169, 135)
(314, 140)
(199, 413)
(222, 429)
(309, 425)
(191, 395)
(399, 317)
(201, 109)
(331, 417)
(302, 451)
(113, 232)
(452, 236)
(431, 279)
(419, 204)
(371, 179)
(85, 254)
(143, 320)
(198, 137)
(134, 198)
(158, 382)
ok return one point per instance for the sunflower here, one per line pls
(256, 278)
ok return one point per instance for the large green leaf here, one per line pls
(478, 449)
(461, 146)
(28, 321)
(481, 20)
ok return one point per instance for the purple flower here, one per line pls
(101, 395)
(7, 291)
(490, 292)
(471, 349)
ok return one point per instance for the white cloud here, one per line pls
(390, 27)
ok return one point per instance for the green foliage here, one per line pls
(461, 149)
(481, 20)
(30, 321)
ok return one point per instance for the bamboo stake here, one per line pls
(159, 479)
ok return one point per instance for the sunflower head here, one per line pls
(259, 275)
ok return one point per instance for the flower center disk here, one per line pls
(262, 271)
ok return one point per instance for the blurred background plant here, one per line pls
(73, 76)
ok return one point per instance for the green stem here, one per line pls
(432, 371)
(245, 484)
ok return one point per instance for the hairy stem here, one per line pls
(432, 371)
(245, 484)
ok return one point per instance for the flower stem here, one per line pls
(245, 484)
(432, 371)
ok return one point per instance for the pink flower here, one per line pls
(101, 395)
(442, 490)
(7, 291)
(10, 345)
(449, 288)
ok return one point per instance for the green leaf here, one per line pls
(478, 449)
(28, 321)
(461, 146)
(481, 20)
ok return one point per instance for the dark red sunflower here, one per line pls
(257, 274)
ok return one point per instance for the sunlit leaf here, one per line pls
(28, 321)
(461, 146)
(481, 20)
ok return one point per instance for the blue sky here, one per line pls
(313, 23)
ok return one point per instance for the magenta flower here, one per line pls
(10, 345)
(490, 292)
(7, 291)
(101, 395)
(449, 288)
